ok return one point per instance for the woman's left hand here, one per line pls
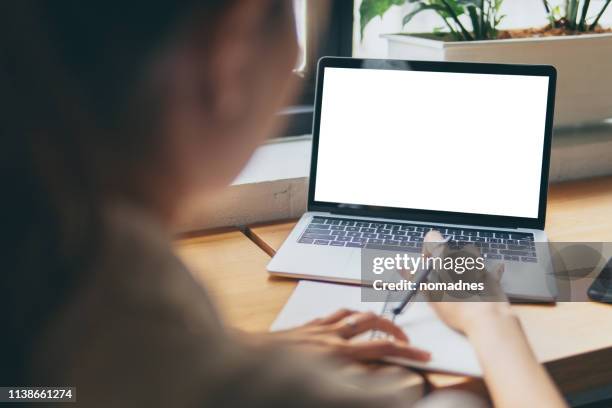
(334, 335)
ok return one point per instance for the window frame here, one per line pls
(333, 37)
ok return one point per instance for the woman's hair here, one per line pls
(70, 73)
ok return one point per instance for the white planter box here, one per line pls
(584, 66)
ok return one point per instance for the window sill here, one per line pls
(274, 184)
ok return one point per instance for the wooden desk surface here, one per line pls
(233, 269)
(574, 340)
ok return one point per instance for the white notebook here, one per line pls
(450, 350)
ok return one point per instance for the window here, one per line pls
(323, 28)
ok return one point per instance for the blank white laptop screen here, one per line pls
(470, 143)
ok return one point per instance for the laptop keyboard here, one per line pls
(344, 232)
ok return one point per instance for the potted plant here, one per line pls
(573, 41)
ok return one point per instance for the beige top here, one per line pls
(143, 333)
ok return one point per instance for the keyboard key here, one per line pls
(502, 235)
(511, 258)
(385, 236)
(487, 234)
(321, 242)
(347, 223)
(355, 244)
(368, 229)
(470, 233)
(319, 236)
(519, 247)
(375, 241)
(306, 241)
(344, 239)
(362, 224)
(529, 259)
(353, 234)
(398, 232)
(514, 253)
(339, 233)
(401, 238)
(352, 229)
(336, 227)
(337, 243)
(360, 240)
(391, 242)
(493, 256)
(329, 221)
(317, 231)
(370, 235)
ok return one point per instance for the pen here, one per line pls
(422, 277)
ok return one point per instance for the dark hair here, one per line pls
(68, 71)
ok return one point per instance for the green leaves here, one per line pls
(483, 15)
(574, 15)
(370, 9)
(422, 7)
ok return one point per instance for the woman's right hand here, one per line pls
(466, 316)
(491, 326)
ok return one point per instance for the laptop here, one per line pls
(403, 147)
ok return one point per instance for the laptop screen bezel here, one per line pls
(432, 215)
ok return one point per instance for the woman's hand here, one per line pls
(467, 316)
(334, 335)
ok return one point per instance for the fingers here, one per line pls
(498, 272)
(379, 349)
(363, 322)
(334, 317)
(433, 244)
(433, 236)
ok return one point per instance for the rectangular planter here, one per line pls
(583, 62)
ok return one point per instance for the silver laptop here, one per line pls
(403, 147)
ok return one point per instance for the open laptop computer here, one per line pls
(401, 147)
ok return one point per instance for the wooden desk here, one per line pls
(574, 340)
(233, 269)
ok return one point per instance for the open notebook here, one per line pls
(451, 352)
